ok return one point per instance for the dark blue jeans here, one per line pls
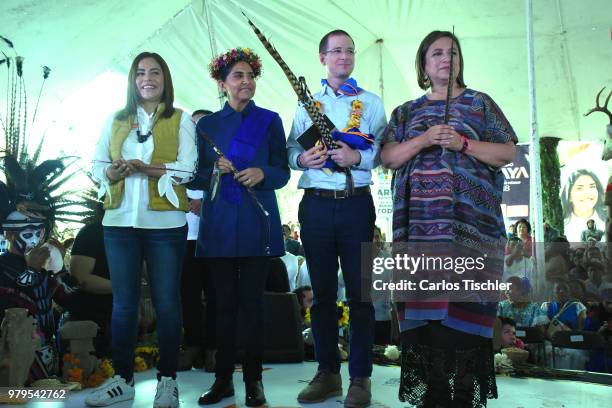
(163, 251)
(333, 229)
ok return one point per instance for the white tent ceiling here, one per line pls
(80, 39)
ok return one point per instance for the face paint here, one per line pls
(28, 238)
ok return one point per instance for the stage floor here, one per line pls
(282, 383)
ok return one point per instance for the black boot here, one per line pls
(254, 393)
(219, 390)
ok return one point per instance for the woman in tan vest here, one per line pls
(145, 155)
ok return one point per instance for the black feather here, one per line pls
(46, 170)
(14, 172)
(7, 41)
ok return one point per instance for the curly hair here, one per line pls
(221, 65)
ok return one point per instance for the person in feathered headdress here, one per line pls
(32, 273)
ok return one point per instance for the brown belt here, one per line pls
(337, 194)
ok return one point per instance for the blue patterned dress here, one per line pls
(446, 196)
(442, 196)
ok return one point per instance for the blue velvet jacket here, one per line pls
(226, 229)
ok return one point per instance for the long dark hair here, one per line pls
(419, 62)
(133, 97)
(568, 207)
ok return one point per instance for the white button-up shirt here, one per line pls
(134, 208)
(338, 108)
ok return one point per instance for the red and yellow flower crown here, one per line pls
(222, 61)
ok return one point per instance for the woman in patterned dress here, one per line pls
(447, 189)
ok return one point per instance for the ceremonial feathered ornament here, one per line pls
(300, 88)
(304, 97)
(33, 189)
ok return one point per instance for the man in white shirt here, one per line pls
(335, 220)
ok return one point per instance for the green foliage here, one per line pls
(551, 182)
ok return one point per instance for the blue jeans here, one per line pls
(333, 229)
(163, 251)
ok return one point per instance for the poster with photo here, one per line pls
(583, 179)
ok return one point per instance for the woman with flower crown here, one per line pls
(241, 228)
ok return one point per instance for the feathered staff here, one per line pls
(304, 97)
(449, 90)
(300, 88)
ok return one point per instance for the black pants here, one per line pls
(195, 279)
(239, 287)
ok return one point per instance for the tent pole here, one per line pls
(534, 155)
(381, 82)
(212, 42)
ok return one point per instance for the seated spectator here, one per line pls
(599, 319)
(508, 334)
(606, 314)
(292, 265)
(555, 270)
(95, 300)
(33, 277)
(303, 277)
(591, 233)
(304, 296)
(578, 290)
(577, 255)
(595, 270)
(607, 278)
(592, 252)
(519, 308)
(291, 245)
(568, 314)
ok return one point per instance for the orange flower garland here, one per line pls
(75, 373)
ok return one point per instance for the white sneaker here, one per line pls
(110, 392)
(167, 395)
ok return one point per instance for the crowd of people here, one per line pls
(190, 203)
(574, 293)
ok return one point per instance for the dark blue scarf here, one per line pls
(243, 147)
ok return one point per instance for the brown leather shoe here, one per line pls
(324, 385)
(359, 393)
